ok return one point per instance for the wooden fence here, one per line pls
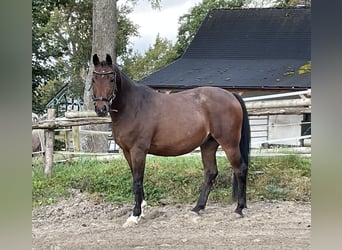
(257, 107)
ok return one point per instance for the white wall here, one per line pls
(279, 127)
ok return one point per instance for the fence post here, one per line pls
(49, 142)
(76, 138)
(67, 140)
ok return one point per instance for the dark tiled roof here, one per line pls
(243, 48)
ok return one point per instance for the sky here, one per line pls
(154, 21)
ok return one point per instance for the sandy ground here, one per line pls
(79, 223)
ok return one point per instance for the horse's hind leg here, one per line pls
(208, 153)
(240, 177)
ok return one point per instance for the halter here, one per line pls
(112, 96)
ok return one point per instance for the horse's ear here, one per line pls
(96, 60)
(108, 60)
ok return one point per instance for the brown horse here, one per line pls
(147, 122)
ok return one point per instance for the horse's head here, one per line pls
(104, 85)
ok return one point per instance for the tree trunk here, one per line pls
(104, 37)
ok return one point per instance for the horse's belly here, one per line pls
(177, 143)
(171, 150)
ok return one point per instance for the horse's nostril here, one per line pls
(102, 110)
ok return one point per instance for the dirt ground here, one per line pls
(79, 223)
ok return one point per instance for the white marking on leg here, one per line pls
(143, 205)
(131, 221)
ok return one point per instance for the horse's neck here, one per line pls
(126, 95)
(131, 96)
(127, 84)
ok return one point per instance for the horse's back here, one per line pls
(210, 101)
(198, 105)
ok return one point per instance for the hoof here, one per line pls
(197, 209)
(239, 212)
(131, 221)
(194, 212)
(194, 216)
(129, 224)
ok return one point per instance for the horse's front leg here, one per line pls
(138, 159)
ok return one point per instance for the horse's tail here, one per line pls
(244, 142)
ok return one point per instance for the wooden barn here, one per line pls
(253, 52)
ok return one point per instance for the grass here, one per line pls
(172, 180)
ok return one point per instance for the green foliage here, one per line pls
(190, 22)
(158, 55)
(41, 51)
(291, 3)
(280, 178)
(112, 179)
(61, 43)
(173, 180)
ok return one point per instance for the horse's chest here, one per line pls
(126, 136)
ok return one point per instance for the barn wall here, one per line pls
(259, 130)
(274, 127)
(285, 126)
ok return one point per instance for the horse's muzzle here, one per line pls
(101, 111)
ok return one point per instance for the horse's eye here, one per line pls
(111, 79)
